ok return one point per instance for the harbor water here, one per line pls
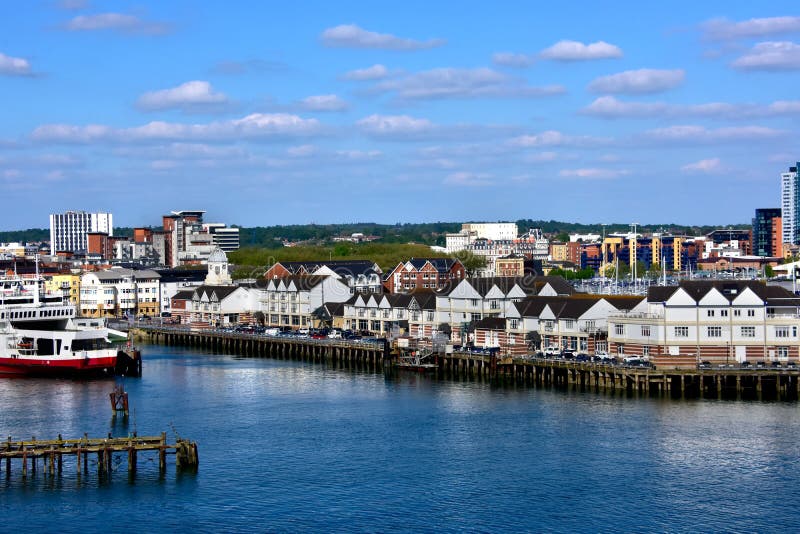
(289, 446)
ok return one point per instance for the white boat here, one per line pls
(40, 334)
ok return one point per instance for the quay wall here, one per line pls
(717, 383)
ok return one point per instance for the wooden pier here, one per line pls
(719, 383)
(355, 353)
(51, 453)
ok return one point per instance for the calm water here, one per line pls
(288, 446)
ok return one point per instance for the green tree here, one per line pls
(768, 271)
(563, 237)
(472, 262)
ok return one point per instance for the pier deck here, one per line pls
(52, 453)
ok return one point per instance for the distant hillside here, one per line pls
(422, 233)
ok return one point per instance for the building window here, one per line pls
(783, 352)
(513, 324)
(619, 329)
(748, 331)
(681, 331)
(714, 331)
(737, 313)
(621, 349)
(751, 313)
(646, 352)
(645, 330)
(473, 302)
(723, 313)
(710, 313)
(781, 331)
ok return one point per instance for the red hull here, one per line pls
(57, 366)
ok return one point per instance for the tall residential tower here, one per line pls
(68, 230)
(790, 205)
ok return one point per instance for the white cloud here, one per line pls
(375, 72)
(193, 95)
(463, 83)
(577, 51)
(323, 103)
(723, 29)
(115, 21)
(639, 81)
(358, 155)
(301, 151)
(608, 107)
(593, 173)
(701, 134)
(542, 157)
(468, 179)
(555, 138)
(352, 36)
(395, 126)
(770, 55)
(511, 59)
(704, 166)
(14, 66)
(254, 126)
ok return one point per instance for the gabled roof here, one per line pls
(184, 294)
(426, 300)
(529, 285)
(303, 282)
(730, 289)
(442, 265)
(340, 267)
(221, 292)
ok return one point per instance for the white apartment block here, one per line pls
(790, 204)
(118, 292)
(292, 300)
(721, 322)
(473, 231)
(68, 230)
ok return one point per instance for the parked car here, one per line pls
(335, 334)
(552, 351)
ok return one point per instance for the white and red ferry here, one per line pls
(40, 335)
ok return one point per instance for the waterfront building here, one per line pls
(768, 232)
(577, 323)
(423, 273)
(463, 303)
(717, 321)
(790, 205)
(172, 281)
(68, 284)
(119, 292)
(293, 300)
(380, 314)
(361, 276)
(69, 230)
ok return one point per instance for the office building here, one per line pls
(768, 233)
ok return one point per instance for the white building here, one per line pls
(119, 292)
(790, 205)
(292, 300)
(717, 321)
(472, 231)
(68, 230)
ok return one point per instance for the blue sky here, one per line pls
(268, 113)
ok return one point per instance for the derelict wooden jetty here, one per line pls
(370, 355)
(51, 454)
